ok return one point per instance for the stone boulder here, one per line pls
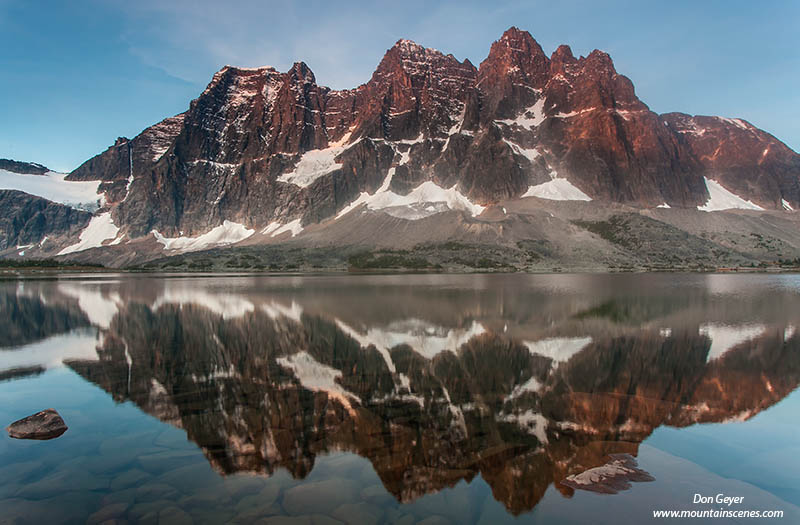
(46, 424)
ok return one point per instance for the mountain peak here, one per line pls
(301, 71)
(516, 54)
(246, 69)
(518, 41)
(260, 147)
(406, 48)
(563, 54)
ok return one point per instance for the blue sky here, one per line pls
(76, 75)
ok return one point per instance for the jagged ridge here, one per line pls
(275, 152)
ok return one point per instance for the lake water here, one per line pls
(401, 398)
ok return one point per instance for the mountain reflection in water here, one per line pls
(523, 380)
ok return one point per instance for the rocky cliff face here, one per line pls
(30, 222)
(25, 168)
(272, 152)
(260, 147)
(744, 159)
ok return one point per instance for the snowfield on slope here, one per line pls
(722, 199)
(557, 190)
(227, 233)
(423, 201)
(100, 229)
(317, 163)
(53, 187)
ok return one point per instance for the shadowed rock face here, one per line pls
(261, 384)
(26, 168)
(518, 120)
(25, 220)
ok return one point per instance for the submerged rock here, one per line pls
(611, 477)
(46, 424)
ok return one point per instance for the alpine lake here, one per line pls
(430, 399)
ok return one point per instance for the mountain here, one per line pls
(263, 156)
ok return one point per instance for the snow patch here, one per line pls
(557, 189)
(664, 205)
(315, 164)
(531, 385)
(423, 201)
(365, 341)
(786, 205)
(722, 199)
(227, 233)
(574, 113)
(53, 187)
(530, 154)
(559, 349)
(457, 123)
(530, 118)
(178, 292)
(276, 228)
(276, 310)
(725, 337)
(739, 123)
(424, 338)
(627, 113)
(101, 228)
(317, 377)
(98, 308)
(531, 422)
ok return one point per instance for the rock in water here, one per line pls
(46, 424)
(611, 477)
